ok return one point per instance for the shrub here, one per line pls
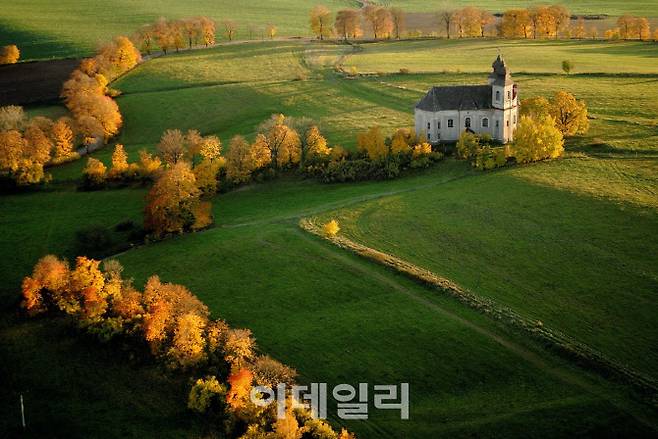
(94, 241)
(331, 228)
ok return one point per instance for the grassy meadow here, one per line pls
(571, 243)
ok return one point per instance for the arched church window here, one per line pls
(485, 122)
(467, 122)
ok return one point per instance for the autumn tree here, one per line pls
(321, 21)
(311, 142)
(62, 136)
(570, 114)
(12, 117)
(173, 202)
(230, 29)
(208, 30)
(188, 344)
(399, 18)
(119, 162)
(239, 348)
(516, 23)
(172, 147)
(380, 20)
(468, 145)
(280, 140)
(348, 23)
(9, 54)
(537, 140)
(240, 388)
(94, 172)
(148, 166)
(269, 372)
(239, 161)
(560, 18)
(271, 30)
(373, 143)
(446, 17)
(402, 141)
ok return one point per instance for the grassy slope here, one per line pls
(336, 319)
(272, 245)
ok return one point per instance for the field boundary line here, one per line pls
(566, 345)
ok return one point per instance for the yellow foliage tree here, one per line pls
(94, 172)
(537, 140)
(9, 54)
(402, 140)
(373, 143)
(240, 388)
(321, 21)
(172, 201)
(119, 162)
(570, 114)
(62, 135)
(348, 23)
(149, 165)
(206, 176)
(188, 344)
(239, 160)
(239, 348)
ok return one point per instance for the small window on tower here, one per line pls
(497, 96)
(428, 136)
(429, 127)
(497, 123)
(467, 122)
(450, 123)
(509, 95)
(508, 123)
(438, 125)
(485, 123)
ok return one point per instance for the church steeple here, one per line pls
(500, 74)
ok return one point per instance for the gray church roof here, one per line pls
(460, 97)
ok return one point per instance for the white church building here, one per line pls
(445, 112)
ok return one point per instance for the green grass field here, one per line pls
(570, 243)
(539, 56)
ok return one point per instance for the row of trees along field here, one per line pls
(552, 21)
(27, 145)
(189, 168)
(539, 135)
(168, 322)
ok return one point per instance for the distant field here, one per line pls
(71, 27)
(539, 56)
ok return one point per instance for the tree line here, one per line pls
(540, 134)
(190, 168)
(27, 145)
(168, 322)
(536, 22)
